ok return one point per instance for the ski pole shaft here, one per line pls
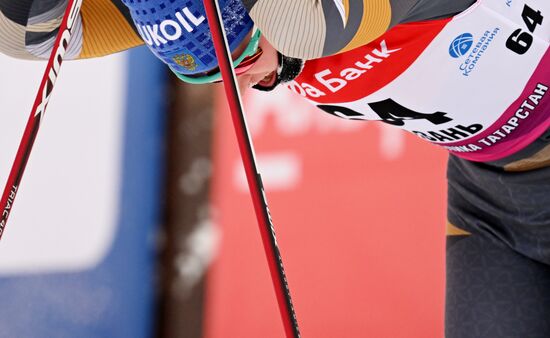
(263, 216)
(38, 109)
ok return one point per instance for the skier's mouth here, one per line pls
(269, 80)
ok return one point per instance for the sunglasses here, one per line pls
(241, 65)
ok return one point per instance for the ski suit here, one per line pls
(471, 76)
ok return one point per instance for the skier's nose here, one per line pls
(245, 82)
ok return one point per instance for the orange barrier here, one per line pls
(359, 211)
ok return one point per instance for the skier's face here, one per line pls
(263, 72)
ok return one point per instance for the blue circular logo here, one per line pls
(461, 45)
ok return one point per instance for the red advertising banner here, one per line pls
(359, 211)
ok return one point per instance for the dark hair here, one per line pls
(289, 69)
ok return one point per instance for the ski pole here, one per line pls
(257, 192)
(38, 109)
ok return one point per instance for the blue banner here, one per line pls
(113, 298)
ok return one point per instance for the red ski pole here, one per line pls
(263, 216)
(38, 109)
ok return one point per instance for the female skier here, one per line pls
(471, 76)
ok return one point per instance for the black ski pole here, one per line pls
(257, 192)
